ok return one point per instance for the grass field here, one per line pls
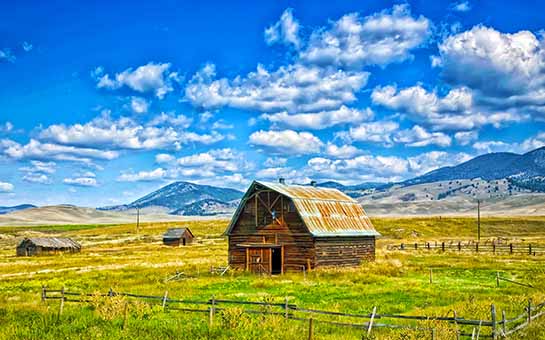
(398, 282)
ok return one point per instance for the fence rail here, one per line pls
(290, 311)
(472, 246)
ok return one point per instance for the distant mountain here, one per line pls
(7, 210)
(207, 207)
(526, 168)
(177, 197)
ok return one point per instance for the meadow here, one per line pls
(129, 260)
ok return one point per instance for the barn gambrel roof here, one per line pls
(324, 211)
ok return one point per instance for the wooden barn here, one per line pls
(178, 237)
(47, 245)
(279, 227)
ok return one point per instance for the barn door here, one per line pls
(259, 260)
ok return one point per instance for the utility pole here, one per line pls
(478, 220)
(137, 219)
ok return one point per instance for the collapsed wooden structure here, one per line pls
(279, 227)
(47, 245)
(178, 237)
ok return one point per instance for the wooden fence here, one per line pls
(494, 328)
(472, 246)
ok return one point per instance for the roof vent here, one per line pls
(313, 183)
(282, 180)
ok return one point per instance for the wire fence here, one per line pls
(474, 247)
(368, 322)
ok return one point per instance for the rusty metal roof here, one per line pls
(324, 211)
(52, 242)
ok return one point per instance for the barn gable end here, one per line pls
(295, 227)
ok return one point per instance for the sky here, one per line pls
(103, 102)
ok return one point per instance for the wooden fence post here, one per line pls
(212, 311)
(443, 246)
(428, 244)
(61, 306)
(44, 296)
(530, 249)
(371, 321)
(431, 276)
(511, 248)
(493, 319)
(310, 329)
(415, 246)
(165, 300)
(503, 322)
(493, 247)
(459, 246)
(125, 315)
(286, 306)
(498, 279)
(529, 310)
(477, 247)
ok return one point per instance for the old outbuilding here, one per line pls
(279, 227)
(47, 245)
(178, 237)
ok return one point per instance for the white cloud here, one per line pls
(379, 39)
(376, 132)
(292, 88)
(164, 158)
(36, 178)
(529, 144)
(6, 127)
(343, 151)
(139, 105)
(153, 175)
(38, 166)
(222, 125)
(5, 54)
(429, 161)
(272, 162)
(507, 70)
(285, 30)
(286, 141)
(81, 181)
(27, 46)
(47, 151)
(417, 136)
(320, 120)
(456, 110)
(466, 137)
(461, 6)
(124, 133)
(151, 77)
(6, 187)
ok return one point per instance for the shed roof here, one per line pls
(52, 242)
(324, 211)
(176, 233)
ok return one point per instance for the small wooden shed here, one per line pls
(178, 237)
(279, 227)
(47, 245)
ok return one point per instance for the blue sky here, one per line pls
(102, 103)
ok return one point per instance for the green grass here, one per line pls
(115, 256)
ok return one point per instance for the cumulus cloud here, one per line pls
(378, 39)
(343, 151)
(286, 142)
(466, 137)
(27, 46)
(320, 120)
(38, 172)
(454, 111)
(375, 132)
(508, 69)
(461, 6)
(418, 136)
(37, 150)
(6, 127)
(529, 144)
(7, 55)
(145, 176)
(6, 187)
(272, 162)
(139, 105)
(152, 77)
(284, 31)
(164, 158)
(162, 132)
(292, 88)
(81, 181)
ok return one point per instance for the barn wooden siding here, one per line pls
(178, 236)
(312, 227)
(47, 245)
